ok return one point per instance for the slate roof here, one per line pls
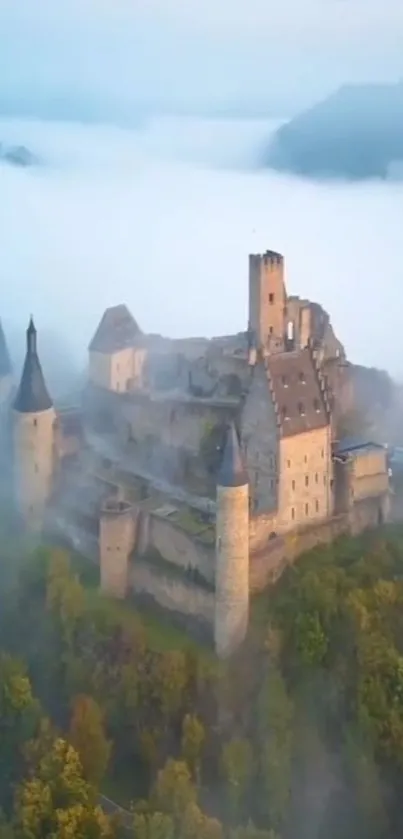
(301, 399)
(232, 472)
(116, 331)
(5, 362)
(355, 446)
(32, 395)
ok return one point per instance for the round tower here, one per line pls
(232, 550)
(33, 430)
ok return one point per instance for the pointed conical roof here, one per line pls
(5, 363)
(232, 471)
(32, 396)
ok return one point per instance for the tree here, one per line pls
(193, 737)
(56, 800)
(171, 681)
(19, 716)
(237, 766)
(275, 714)
(173, 790)
(153, 826)
(87, 735)
(196, 825)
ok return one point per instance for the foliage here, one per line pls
(299, 735)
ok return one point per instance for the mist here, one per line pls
(163, 218)
(149, 123)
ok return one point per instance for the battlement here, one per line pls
(116, 507)
(269, 257)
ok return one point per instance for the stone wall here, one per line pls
(267, 564)
(176, 546)
(172, 593)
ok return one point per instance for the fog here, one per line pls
(108, 59)
(146, 195)
(163, 218)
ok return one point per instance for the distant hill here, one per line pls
(356, 133)
(17, 156)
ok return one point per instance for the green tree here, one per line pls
(87, 735)
(275, 713)
(19, 717)
(56, 800)
(153, 826)
(173, 790)
(237, 767)
(193, 737)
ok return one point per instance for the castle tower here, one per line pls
(232, 550)
(117, 534)
(34, 418)
(6, 380)
(267, 298)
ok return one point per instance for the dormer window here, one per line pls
(284, 381)
(301, 408)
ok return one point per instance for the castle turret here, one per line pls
(34, 418)
(232, 550)
(6, 380)
(267, 298)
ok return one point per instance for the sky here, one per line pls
(107, 58)
(135, 204)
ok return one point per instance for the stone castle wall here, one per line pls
(267, 564)
(172, 593)
(175, 546)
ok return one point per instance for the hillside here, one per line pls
(356, 133)
(298, 737)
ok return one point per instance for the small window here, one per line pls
(306, 480)
(324, 480)
(292, 513)
(271, 297)
(317, 506)
(270, 330)
(293, 484)
(284, 381)
(301, 377)
(35, 422)
(322, 454)
(316, 405)
(301, 408)
(288, 463)
(316, 478)
(306, 458)
(307, 509)
(285, 413)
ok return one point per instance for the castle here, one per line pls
(193, 470)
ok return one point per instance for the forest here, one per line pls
(299, 736)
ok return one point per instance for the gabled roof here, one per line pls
(5, 362)
(232, 472)
(32, 395)
(116, 331)
(299, 391)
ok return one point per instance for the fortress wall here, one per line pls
(178, 424)
(260, 528)
(176, 546)
(171, 593)
(267, 564)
